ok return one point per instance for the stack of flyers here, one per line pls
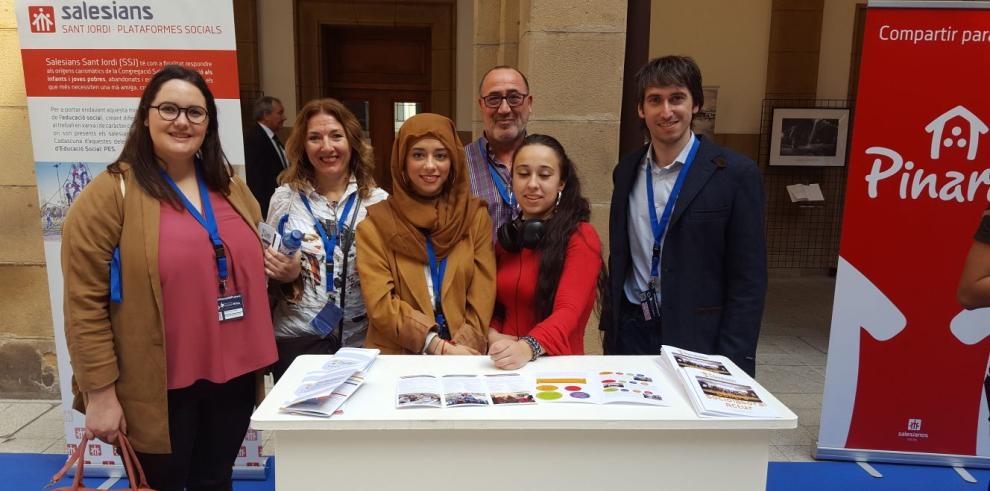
(715, 386)
(463, 390)
(321, 392)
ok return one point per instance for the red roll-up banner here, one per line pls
(906, 363)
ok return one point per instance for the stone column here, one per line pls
(28, 367)
(573, 54)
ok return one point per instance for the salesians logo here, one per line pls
(955, 135)
(913, 433)
(42, 19)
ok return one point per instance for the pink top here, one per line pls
(197, 345)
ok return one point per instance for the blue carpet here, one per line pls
(32, 471)
(848, 476)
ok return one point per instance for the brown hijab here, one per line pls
(404, 216)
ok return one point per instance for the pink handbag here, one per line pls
(135, 474)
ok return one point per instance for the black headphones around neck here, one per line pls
(518, 234)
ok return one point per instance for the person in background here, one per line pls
(264, 155)
(324, 194)
(159, 364)
(549, 260)
(506, 104)
(425, 254)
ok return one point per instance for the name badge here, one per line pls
(648, 302)
(328, 319)
(231, 307)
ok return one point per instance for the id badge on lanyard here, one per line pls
(649, 299)
(229, 307)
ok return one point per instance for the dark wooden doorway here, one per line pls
(383, 75)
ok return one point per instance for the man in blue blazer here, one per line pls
(691, 274)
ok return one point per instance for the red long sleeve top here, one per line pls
(562, 333)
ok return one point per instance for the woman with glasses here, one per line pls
(425, 254)
(166, 309)
(324, 194)
(549, 260)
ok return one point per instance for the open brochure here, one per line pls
(322, 391)
(605, 387)
(715, 386)
(463, 390)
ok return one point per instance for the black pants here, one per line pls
(207, 423)
(635, 335)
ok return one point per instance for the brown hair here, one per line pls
(301, 172)
(139, 149)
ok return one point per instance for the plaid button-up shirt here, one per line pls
(482, 184)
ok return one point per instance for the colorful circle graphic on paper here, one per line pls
(604, 373)
(546, 387)
(608, 381)
(611, 389)
(572, 388)
(580, 395)
(549, 396)
(625, 390)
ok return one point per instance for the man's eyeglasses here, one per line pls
(514, 99)
(170, 112)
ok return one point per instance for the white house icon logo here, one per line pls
(914, 424)
(939, 139)
(42, 19)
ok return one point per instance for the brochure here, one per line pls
(715, 385)
(463, 390)
(605, 387)
(321, 392)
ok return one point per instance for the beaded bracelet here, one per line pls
(534, 345)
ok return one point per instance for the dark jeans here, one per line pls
(207, 422)
(634, 334)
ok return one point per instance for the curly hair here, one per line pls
(301, 172)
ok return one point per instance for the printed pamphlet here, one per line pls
(715, 385)
(322, 391)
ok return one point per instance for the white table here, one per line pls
(545, 446)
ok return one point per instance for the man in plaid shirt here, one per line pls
(505, 104)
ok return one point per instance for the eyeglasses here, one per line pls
(514, 99)
(170, 112)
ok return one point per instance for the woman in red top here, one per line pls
(549, 260)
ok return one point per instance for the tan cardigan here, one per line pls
(123, 343)
(394, 287)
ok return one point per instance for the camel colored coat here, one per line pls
(395, 290)
(123, 343)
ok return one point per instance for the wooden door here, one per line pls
(383, 75)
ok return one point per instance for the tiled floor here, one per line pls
(790, 363)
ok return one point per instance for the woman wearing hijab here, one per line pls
(425, 254)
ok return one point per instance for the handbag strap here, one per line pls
(75, 458)
(131, 463)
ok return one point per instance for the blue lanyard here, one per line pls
(660, 226)
(329, 241)
(436, 274)
(500, 184)
(207, 220)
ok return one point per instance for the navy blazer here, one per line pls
(713, 269)
(262, 165)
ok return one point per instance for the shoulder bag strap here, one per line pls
(75, 458)
(345, 247)
(131, 464)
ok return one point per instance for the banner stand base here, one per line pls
(244, 472)
(964, 474)
(872, 471)
(913, 458)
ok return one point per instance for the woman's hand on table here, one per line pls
(510, 355)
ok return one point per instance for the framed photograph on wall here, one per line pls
(809, 136)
